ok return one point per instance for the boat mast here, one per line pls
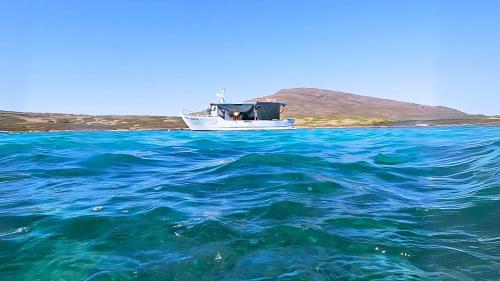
(221, 95)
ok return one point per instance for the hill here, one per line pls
(319, 102)
(320, 107)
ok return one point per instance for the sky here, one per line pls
(158, 57)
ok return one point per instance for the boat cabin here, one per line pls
(248, 111)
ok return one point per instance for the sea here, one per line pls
(304, 204)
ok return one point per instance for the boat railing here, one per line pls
(188, 112)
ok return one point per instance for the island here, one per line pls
(312, 107)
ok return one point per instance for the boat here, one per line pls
(256, 115)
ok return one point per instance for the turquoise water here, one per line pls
(337, 204)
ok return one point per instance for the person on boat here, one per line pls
(236, 116)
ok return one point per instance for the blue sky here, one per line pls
(157, 57)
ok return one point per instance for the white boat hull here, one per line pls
(216, 123)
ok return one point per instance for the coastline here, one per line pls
(18, 122)
(296, 127)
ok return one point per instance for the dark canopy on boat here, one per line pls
(233, 107)
(250, 111)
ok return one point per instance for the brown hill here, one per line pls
(319, 107)
(305, 102)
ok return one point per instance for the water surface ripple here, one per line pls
(336, 204)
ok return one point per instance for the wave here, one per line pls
(105, 160)
(342, 204)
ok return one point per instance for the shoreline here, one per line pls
(19, 122)
(297, 127)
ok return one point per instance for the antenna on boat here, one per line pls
(221, 95)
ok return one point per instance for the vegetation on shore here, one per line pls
(313, 108)
(326, 121)
(332, 121)
(45, 122)
(27, 122)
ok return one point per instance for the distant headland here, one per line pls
(311, 107)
